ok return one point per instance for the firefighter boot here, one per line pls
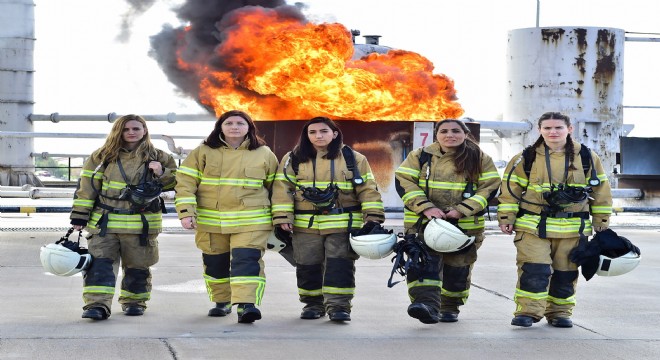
(133, 310)
(220, 309)
(95, 313)
(561, 322)
(247, 313)
(423, 313)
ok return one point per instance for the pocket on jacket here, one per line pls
(255, 201)
(254, 173)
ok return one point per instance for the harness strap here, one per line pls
(583, 215)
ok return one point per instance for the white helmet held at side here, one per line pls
(442, 236)
(61, 261)
(373, 246)
(608, 266)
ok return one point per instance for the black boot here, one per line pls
(561, 322)
(220, 309)
(247, 313)
(424, 313)
(523, 320)
(133, 310)
(95, 313)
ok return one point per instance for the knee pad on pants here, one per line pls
(340, 273)
(310, 277)
(245, 262)
(561, 284)
(100, 273)
(454, 278)
(135, 280)
(217, 266)
(535, 277)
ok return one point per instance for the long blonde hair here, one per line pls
(109, 152)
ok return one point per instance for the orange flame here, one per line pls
(284, 69)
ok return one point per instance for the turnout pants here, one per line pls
(233, 266)
(108, 253)
(325, 271)
(546, 277)
(444, 283)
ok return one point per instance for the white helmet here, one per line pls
(373, 246)
(442, 236)
(62, 261)
(275, 244)
(608, 266)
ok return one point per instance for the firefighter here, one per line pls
(453, 180)
(118, 202)
(223, 191)
(324, 189)
(547, 198)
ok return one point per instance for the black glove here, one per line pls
(371, 227)
(283, 235)
(80, 222)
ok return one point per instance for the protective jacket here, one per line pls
(566, 224)
(226, 189)
(355, 203)
(108, 180)
(446, 189)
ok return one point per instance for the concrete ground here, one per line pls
(616, 317)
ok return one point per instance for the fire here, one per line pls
(277, 67)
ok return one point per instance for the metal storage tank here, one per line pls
(16, 90)
(574, 70)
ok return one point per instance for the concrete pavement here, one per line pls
(616, 318)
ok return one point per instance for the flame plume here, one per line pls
(273, 64)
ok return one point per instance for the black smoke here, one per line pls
(206, 22)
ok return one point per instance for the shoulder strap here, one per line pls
(528, 155)
(295, 163)
(587, 163)
(349, 157)
(424, 158)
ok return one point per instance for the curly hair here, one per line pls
(109, 152)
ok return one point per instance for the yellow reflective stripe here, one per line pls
(368, 176)
(408, 171)
(442, 185)
(518, 180)
(601, 209)
(338, 291)
(480, 199)
(456, 294)
(489, 175)
(344, 185)
(281, 177)
(141, 296)
(98, 290)
(412, 194)
(567, 301)
(602, 177)
(190, 172)
(372, 205)
(315, 292)
(282, 208)
(231, 182)
(84, 203)
(530, 295)
(557, 225)
(89, 173)
(324, 222)
(185, 201)
(508, 208)
(120, 221)
(236, 214)
(211, 279)
(424, 282)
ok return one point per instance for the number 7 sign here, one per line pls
(423, 134)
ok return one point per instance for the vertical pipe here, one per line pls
(16, 90)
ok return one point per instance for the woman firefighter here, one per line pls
(452, 180)
(223, 190)
(323, 190)
(118, 200)
(553, 194)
